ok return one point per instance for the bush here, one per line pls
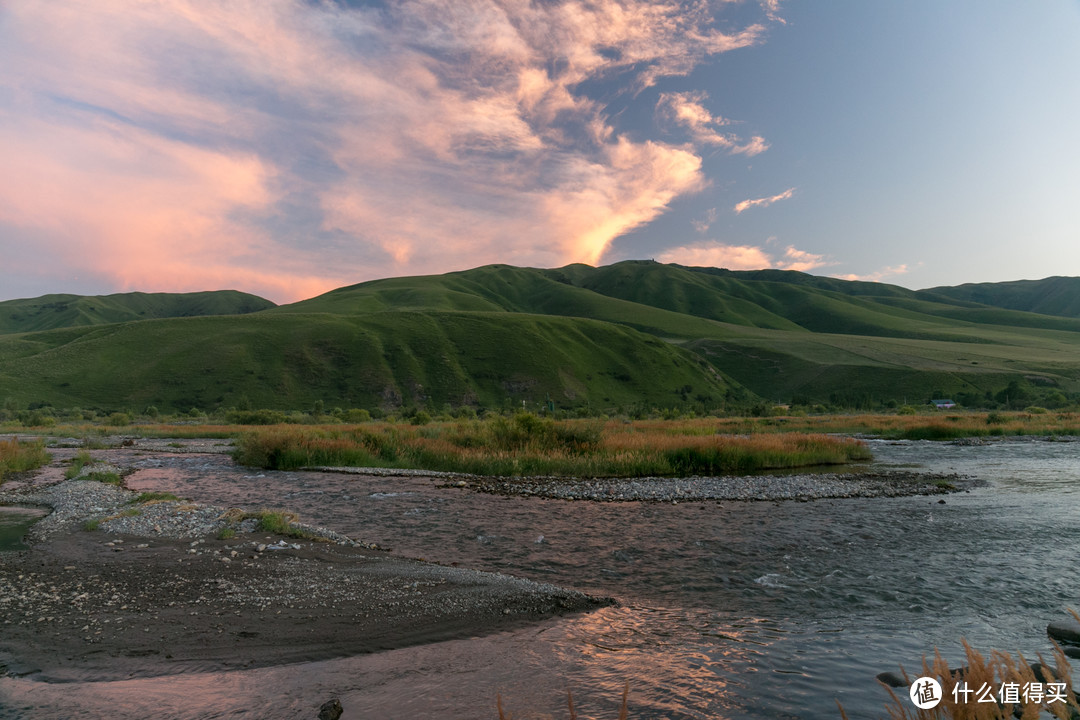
(118, 419)
(255, 417)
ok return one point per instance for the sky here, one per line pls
(289, 147)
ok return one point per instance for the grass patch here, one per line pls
(18, 456)
(148, 498)
(103, 476)
(528, 445)
(81, 460)
(226, 533)
(278, 522)
(91, 525)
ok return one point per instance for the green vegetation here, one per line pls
(634, 338)
(81, 460)
(1051, 296)
(19, 456)
(147, 498)
(109, 478)
(92, 524)
(528, 445)
(58, 311)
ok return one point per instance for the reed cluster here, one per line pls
(998, 687)
(529, 445)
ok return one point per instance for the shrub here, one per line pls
(255, 417)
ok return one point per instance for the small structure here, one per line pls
(943, 404)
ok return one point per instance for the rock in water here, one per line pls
(331, 710)
(1066, 632)
(892, 680)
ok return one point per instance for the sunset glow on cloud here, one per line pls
(742, 257)
(287, 147)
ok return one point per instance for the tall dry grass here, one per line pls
(18, 456)
(992, 671)
(527, 445)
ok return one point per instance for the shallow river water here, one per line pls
(731, 610)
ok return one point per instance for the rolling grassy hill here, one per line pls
(389, 359)
(1050, 296)
(57, 311)
(627, 335)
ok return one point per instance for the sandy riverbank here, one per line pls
(102, 604)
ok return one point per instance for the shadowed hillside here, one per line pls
(57, 311)
(1051, 296)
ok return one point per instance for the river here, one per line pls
(728, 610)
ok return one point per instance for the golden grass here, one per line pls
(992, 672)
(527, 445)
(18, 456)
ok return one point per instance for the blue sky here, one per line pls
(287, 147)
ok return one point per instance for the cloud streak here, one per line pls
(763, 202)
(286, 147)
(687, 109)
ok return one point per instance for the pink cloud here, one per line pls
(167, 145)
(763, 202)
(687, 109)
(741, 257)
(877, 275)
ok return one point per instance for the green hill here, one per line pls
(627, 335)
(56, 311)
(387, 359)
(1051, 296)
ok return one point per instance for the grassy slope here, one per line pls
(1050, 296)
(390, 358)
(56, 311)
(500, 332)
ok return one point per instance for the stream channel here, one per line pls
(727, 610)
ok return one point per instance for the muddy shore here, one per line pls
(161, 592)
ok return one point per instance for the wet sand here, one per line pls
(75, 608)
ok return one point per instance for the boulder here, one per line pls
(1066, 632)
(331, 710)
(892, 680)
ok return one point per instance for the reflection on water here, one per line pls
(742, 610)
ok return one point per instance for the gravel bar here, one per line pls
(802, 487)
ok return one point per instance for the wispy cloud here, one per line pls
(703, 225)
(741, 257)
(877, 275)
(763, 202)
(285, 146)
(687, 109)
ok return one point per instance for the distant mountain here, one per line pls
(630, 335)
(1051, 296)
(49, 312)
